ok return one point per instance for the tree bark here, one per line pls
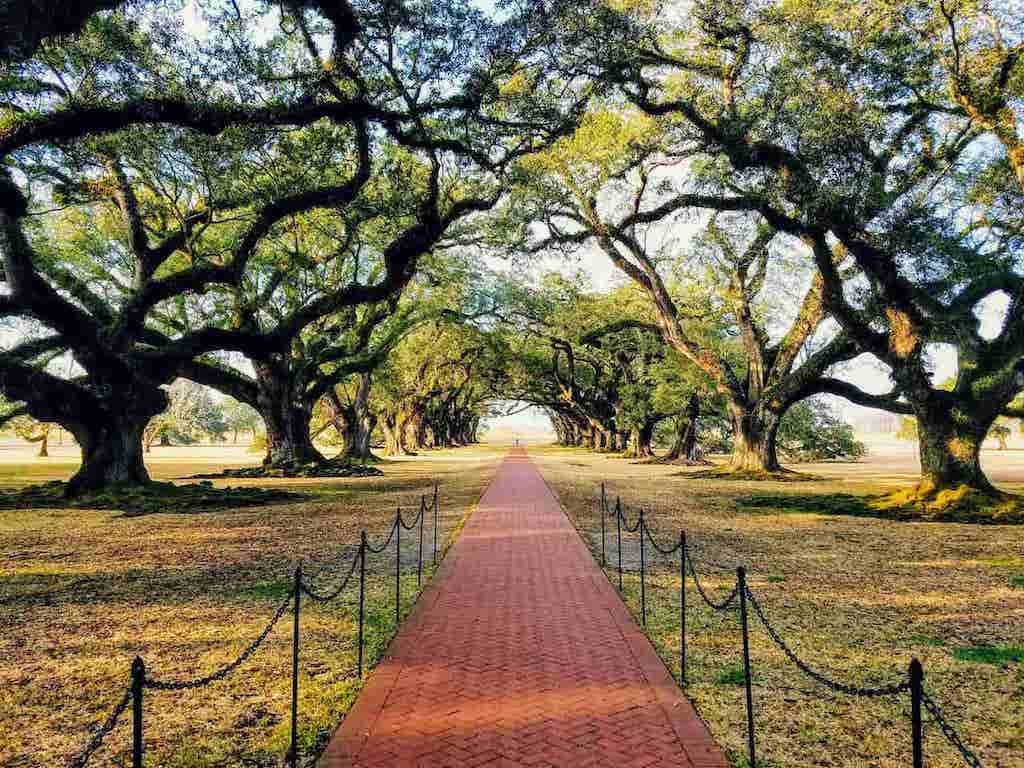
(393, 429)
(754, 440)
(111, 443)
(359, 423)
(286, 418)
(950, 446)
(685, 447)
(639, 445)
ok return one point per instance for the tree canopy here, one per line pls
(299, 204)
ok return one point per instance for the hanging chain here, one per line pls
(659, 548)
(382, 547)
(851, 690)
(729, 599)
(227, 669)
(324, 597)
(415, 520)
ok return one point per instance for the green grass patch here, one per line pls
(776, 579)
(269, 589)
(990, 654)
(1017, 581)
(927, 640)
(731, 676)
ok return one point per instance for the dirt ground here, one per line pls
(856, 597)
(82, 592)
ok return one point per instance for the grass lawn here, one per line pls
(82, 592)
(857, 597)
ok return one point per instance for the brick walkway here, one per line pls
(520, 653)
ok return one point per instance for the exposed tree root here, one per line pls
(970, 507)
(680, 462)
(145, 498)
(329, 468)
(726, 472)
(963, 503)
(372, 458)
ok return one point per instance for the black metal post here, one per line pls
(618, 535)
(138, 684)
(643, 572)
(741, 586)
(419, 559)
(682, 607)
(435, 523)
(398, 568)
(604, 507)
(362, 595)
(293, 750)
(916, 690)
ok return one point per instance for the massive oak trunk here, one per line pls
(412, 430)
(111, 439)
(639, 445)
(685, 447)
(950, 445)
(393, 428)
(754, 440)
(359, 423)
(286, 418)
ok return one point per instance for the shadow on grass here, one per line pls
(815, 504)
(135, 500)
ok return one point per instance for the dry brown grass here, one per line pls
(856, 596)
(82, 592)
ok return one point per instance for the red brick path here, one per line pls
(520, 653)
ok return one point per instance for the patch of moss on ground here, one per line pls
(875, 506)
(145, 499)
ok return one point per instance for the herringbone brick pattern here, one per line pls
(521, 654)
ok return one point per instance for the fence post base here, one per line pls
(916, 728)
(362, 595)
(293, 749)
(682, 607)
(741, 585)
(138, 685)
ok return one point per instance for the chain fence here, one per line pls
(140, 680)
(739, 597)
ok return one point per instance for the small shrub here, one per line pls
(811, 432)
